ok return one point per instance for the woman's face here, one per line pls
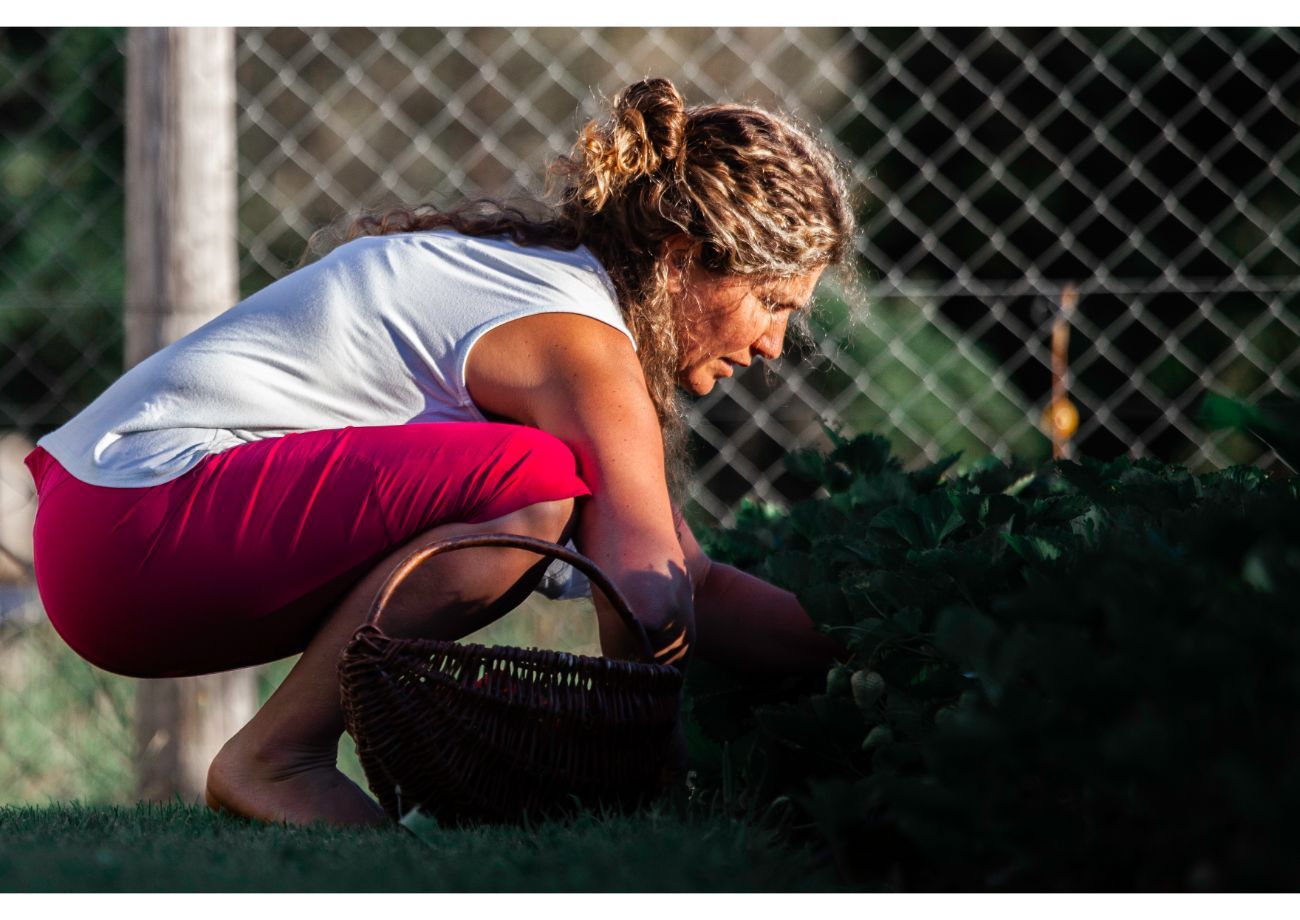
(732, 319)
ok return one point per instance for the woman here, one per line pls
(241, 495)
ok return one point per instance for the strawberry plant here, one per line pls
(1084, 676)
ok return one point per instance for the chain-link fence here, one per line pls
(1158, 170)
(64, 727)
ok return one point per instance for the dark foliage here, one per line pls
(1083, 677)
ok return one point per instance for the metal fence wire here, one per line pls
(1159, 170)
(64, 727)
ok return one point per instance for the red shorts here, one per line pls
(238, 561)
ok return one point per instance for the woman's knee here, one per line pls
(548, 520)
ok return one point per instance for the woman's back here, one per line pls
(376, 333)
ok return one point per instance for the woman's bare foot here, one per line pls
(287, 788)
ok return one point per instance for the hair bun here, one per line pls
(649, 125)
(647, 131)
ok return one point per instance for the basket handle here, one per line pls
(512, 541)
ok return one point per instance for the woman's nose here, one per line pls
(771, 342)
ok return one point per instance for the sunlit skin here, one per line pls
(740, 319)
(580, 380)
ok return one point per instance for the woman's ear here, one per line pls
(679, 251)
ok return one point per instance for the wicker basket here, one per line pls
(472, 734)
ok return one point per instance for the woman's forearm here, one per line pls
(747, 624)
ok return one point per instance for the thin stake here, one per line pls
(1062, 418)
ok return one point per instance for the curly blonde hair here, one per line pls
(755, 193)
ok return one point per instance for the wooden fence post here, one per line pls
(182, 270)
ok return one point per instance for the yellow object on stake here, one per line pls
(1061, 419)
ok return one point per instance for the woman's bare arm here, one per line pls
(580, 380)
(747, 624)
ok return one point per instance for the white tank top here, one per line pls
(375, 333)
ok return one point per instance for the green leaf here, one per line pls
(968, 505)
(1057, 510)
(872, 494)
(924, 524)
(990, 475)
(927, 477)
(815, 520)
(1020, 485)
(865, 455)
(933, 681)
(793, 570)
(1086, 481)
(833, 435)
(997, 510)
(870, 632)
(807, 466)
(940, 518)
(1032, 549)
(899, 524)
(827, 605)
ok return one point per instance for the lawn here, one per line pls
(68, 822)
(183, 848)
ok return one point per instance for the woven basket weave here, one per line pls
(476, 734)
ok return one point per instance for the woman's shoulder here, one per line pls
(518, 279)
(551, 356)
(504, 254)
(457, 287)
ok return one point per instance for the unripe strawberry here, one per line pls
(837, 681)
(867, 686)
(879, 735)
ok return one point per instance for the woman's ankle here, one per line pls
(278, 755)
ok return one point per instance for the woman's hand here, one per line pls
(746, 624)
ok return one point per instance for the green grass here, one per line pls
(68, 823)
(181, 848)
(66, 739)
